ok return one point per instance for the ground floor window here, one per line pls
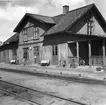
(54, 50)
(25, 53)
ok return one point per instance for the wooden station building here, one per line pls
(73, 35)
(8, 51)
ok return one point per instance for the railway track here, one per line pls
(23, 98)
(17, 91)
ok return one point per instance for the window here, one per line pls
(55, 50)
(36, 32)
(90, 27)
(25, 53)
(36, 51)
(24, 32)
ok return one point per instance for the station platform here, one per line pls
(79, 72)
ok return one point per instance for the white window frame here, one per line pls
(24, 32)
(36, 32)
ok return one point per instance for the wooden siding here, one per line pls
(30, 35)
(80, 23)
(47, 53)
(30, 24)
(1, 56)
(33, 42)
(20, 55)
(30, 51)
(6, 54)
(65, 38)
(63, 51)
(97, 29)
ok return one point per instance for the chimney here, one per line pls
(65, 9)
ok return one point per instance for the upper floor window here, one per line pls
(90, 27)
(36, 32)
(24, 32)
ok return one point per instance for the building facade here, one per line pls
(66, 38)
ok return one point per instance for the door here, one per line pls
(55, 55)
(14, 54)
(36, 54)
(25, 55)
(83, 52)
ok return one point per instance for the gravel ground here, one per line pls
(86, 93)
(10, 100)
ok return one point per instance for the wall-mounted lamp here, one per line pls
(30, 48)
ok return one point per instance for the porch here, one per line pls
(90, 52)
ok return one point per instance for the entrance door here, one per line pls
(36, 54)
(25, 55)
(83, 52)
(55, 55)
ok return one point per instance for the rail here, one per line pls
(34, 90)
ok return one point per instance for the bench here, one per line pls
(45, 63)
(13, 61)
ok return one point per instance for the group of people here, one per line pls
(74, 63)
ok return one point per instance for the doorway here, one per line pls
(36, 54)
(54, 54)
(84, 52)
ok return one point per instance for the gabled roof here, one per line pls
(65, 21)
(43, 19)
(13, 38)
(62, 22)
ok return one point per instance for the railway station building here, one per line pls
(72, 36)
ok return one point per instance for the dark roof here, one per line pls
(66, 20)
(13, 38)
(63, 22)
(43, 19)
(58, 18)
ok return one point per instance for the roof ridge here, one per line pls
(82, 7)
(86, 8)
(57, 15)
(30, 14)
(76, 9)
(38, 15)
(80, 14)
(73, 10)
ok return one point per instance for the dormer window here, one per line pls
(24, 32)
(36, 32)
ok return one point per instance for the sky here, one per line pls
(12, 11)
